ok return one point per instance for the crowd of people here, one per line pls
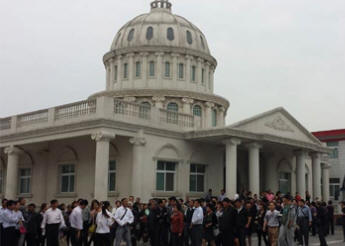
(216, 221)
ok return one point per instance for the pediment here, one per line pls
(277, 122)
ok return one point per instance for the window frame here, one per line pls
(149, 34)
(152, 69)
(334, 188)
(288, 180)
(115, 73)
(61, 175)
(125, 70)
(196, 174)
(214, 116)
(25, 177)
(112, 172)
(165, 172)
(170, 34)
(193, 73)
(194, 110)
(181, 71)
(167, 69)
(137, 69)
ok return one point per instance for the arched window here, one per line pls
(170, 34)
(144, 110)
(172, 113)
(181, 71)
(130, 35)
(125, 70)
(149, 33)
(202, 42)
(167, 69)
(137, 69)
(189, 37)
(214, 117)
(197, 111)
(152, 68)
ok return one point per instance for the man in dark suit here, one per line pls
(227, 224)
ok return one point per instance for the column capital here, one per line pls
(300, 152)
(175, 55)
(254, 145)
(129, 99)
(189, 57)
(326, 166)
(159, 53)
(158, 98)
(130, 55)
(221, 109)
(119, 57)
(12, 150)
(209, 104)
(200, 59)
(315, 154)
(102, 136)
(138, 140)
(232, 141)
(187, 100)
(144, 53)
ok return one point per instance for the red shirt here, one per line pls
(177, 223)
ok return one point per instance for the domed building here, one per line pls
(157, 130)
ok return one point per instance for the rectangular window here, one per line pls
(181, 71)
(112, 176)
(203, 76)
(335, 152)
(24, 181)
(115, 73)
(285, 183)
(125, 70)
(167, 69)
(193, 74)
(137, 69)
(67, 175)
(165, 176)
(214, 118)
(334, 188)
(197, 178)
(152, 69)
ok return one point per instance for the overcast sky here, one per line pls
(270, 53)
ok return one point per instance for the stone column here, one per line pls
(131, 72)
(159, 65)
(300, 172)
(221, 116)
(188, 68)
(119, 70)
(139, 143)
(325, 181)
(187, 105)
(211, 83)
(199, 70)
(11, 189)
(108, 68)
(254, 167)
(207, 71)
(174, 66)
(208, 114)
(102, 139)
(231, 166)
(316, 165)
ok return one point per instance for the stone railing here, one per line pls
(75, 110)
(5, 123)
(100, 108)
(32, 118)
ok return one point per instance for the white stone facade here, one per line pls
(156, 131)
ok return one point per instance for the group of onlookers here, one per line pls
(217, 221)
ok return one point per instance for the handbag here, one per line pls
(92, 229)
(22, 229)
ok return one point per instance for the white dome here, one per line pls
(160, 28)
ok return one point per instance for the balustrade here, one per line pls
(75, 110)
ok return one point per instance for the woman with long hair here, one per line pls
(93, 214)
(103, 222)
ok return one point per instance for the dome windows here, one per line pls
(180, 70)
(170, 34)
(167, 69)
(130, 35)
(197, 111)
(152, 68)
(202, 42)
(189, 37)
(149, 33)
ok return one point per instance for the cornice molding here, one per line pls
(159, 93)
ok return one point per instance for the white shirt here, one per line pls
(76, 218)
(2, 210)
(10, 218)
(53, 217)
(103, 223)
(113, 211)
(198, 216)
(128, 219)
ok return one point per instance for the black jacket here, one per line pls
(227, 222)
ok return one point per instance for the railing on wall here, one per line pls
(5, 123)
(175, 118)
(32, 118)
(131, 109)
(74, 110)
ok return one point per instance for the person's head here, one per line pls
(94, 205)
(117, 204)
(54, 204)
(17, 207)
(222, 192)
(137, 200)
(11, 205)
(238, 203)
(301, 203)
(330, 202)
(131, 199)
(62, 206)
(83, 204)
(4, 203)
(105, 208)
(210, 191)
(226, 202)
(175, 209)
(31, 207)
(287, 200)
(219, 206)
(124, 202)
(197, 203)
(44, 207)
(161, 203)
(22, 201)
(191, 203)
(248, 205)
(172, 201)
(271, 206)
(209, 208)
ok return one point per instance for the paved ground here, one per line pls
(336, 240)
